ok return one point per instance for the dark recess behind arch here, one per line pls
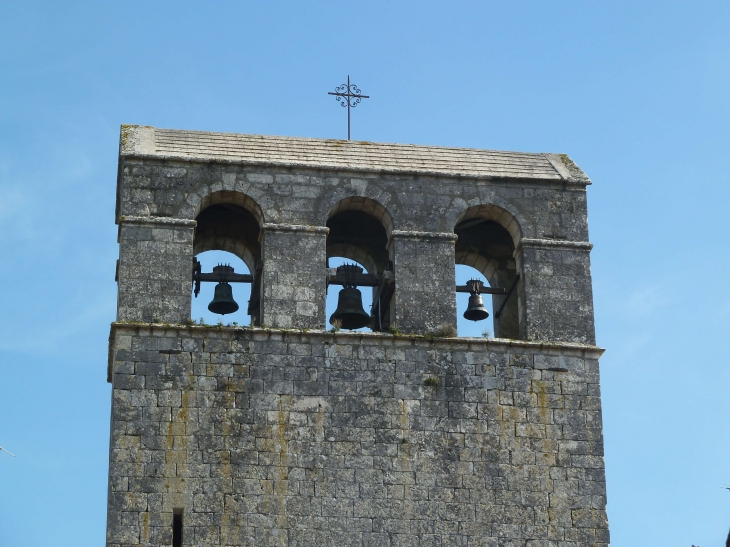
(222, 225)
(356, 235)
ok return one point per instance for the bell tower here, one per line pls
(300, 431)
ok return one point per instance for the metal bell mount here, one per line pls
(223, 302)
(476, 311)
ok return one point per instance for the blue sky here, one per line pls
(635, 92)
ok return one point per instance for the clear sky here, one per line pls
(636, 92)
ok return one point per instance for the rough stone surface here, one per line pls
(558, 291)
(279, 438)
(424, 262)
(155, 265)
(295, 437)
(294, 290)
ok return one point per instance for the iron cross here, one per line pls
(348, 95)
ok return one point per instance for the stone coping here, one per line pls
(440, 161)
(399, 340)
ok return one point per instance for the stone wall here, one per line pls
(284, 438)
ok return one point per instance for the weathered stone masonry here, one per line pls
(289, 435)
(280, 438)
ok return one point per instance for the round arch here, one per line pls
(352, 252)
(229, 245)
(486, 266)
(365, 205)
(359, 230)
(496, 214)
(229, 197)
(229, 221)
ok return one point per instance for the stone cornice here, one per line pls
(158, 221)
(270, 227)
(401, 340)
(553, 244)
(413, 234)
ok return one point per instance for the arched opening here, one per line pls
(358, 233)
(487, 246)
(228, 232)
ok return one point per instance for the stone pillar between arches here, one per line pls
(424, 301)
(293, 282)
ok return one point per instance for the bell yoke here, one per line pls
(350, 313)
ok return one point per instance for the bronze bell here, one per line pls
(475, 311)
(223, 302)
(349, 310)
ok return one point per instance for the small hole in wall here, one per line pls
(177, 527)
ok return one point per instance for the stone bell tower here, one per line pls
(287, 434)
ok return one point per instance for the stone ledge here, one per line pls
(136, 139)
(553, 244)
(157, 221)
(568, 169)
(353, 172)
(400, 340)
(270, 227)
(413, 234)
